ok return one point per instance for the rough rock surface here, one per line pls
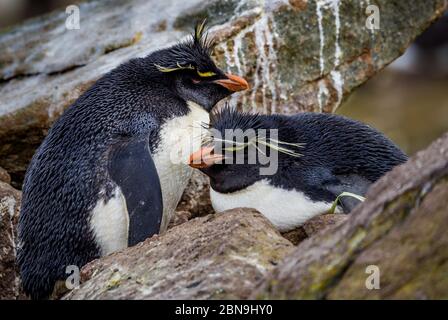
(219, 256)
(4, 176)
(400, 229)
(313, 226)
(9, 213)
(297, 55)
(195, 201)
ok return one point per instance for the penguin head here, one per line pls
(239, 149)
(188, 69)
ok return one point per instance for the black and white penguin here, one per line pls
(319, 156)
(110, 172)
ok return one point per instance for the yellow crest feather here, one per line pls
(200, 29)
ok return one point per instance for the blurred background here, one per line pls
(15, 11)
(408, 100)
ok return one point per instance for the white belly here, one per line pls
(286, 209)
(110, 223)
(179, 137)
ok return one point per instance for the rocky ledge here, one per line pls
(400, 231)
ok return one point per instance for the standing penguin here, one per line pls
(319, 156)
(107, 176)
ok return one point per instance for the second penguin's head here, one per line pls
(240, 149)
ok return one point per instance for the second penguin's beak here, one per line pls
(233, 83)
(204, 158)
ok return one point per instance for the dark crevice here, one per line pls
(65, 70)
(21, 76)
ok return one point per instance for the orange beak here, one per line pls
(204, 158)
(233, 83)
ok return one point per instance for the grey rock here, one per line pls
(221, 256)
(9, 214)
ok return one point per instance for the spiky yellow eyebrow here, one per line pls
(345, 194)
(179, 67)
(206, 74)
(200, 29)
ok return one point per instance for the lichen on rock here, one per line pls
(9, 214)
(221, 256)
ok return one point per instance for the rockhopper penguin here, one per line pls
(320, 156)
(105, 177)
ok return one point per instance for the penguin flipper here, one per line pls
(132, 168)
(348, 183)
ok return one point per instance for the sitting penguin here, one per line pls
(110, 172)
(318, 158)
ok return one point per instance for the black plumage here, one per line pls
(333, 154)
(106, 139)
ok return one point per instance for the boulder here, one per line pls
(4, 176)
(313, 226)
(220, 256)
(9, 214)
